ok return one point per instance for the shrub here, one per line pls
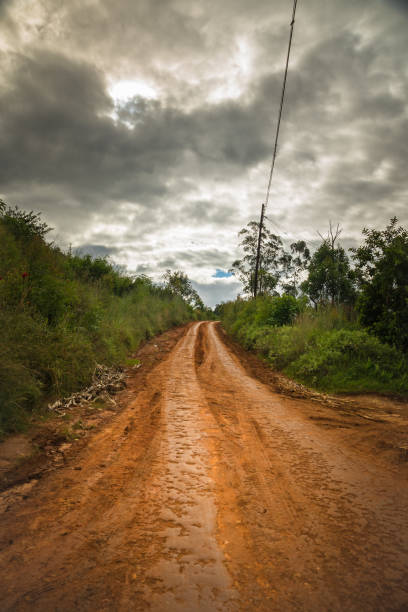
(324, 348)
(61, 313)
(351, 360)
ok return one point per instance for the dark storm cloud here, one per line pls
(96, 250)
(194, 158)
(399, 4)
(56, 129)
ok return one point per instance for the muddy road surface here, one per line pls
(209, 491)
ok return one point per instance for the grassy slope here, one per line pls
(327, 350)
(59, 314)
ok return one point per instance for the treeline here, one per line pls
(336, 322)
(60, 313)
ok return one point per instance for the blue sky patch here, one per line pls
(221, 274)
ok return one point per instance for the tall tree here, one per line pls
(382, 269)
(178, 283)
(270, 262)
(294, 263)
(330, 277)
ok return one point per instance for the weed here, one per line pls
(60, 314)
(326, 348)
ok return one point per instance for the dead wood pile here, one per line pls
(105, 380)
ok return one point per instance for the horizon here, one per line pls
(146, 134)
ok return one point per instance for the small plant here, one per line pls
(78, 425)
(67, 435)
(131, 362)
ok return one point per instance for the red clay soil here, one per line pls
(210, 490)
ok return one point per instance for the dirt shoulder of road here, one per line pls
(367, 422)
(370, 422)
(208, 487)
(52, 440)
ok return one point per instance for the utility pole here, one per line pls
(258, 251)
(275, 149)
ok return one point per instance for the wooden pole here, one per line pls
(258, 251)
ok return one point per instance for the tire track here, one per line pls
(330, 530)
(208, 492)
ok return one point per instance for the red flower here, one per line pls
(24, 274)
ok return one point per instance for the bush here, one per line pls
(382, 267)
(351, 360)
(324, 348)
(61, 313)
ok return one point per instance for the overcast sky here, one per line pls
(143, 129)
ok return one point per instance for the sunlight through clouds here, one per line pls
(123, 91)
(171, 108)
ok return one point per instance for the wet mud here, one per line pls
(209, 491)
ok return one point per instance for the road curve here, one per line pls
(209, 492)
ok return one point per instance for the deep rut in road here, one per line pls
(209, 492)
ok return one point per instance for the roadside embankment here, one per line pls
(326, 349)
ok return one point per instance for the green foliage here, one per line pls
(178, 283)
(293, 264)
(21, 224)
(351, 360)
(269, 269)
(324, 348)
(61, 313)
(330, 278)
(333, 347)
(247, 319)
(382, 266)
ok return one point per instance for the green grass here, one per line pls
(60, 314)
(325, 349)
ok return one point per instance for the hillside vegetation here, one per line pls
(61, 313)
(326, 349)
(331, 323)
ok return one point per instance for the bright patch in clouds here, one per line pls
(237, 73)
(175, 188)
(122, 91)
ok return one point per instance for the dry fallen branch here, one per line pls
(104, 381)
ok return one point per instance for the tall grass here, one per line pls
(61, 313)
(326, 349)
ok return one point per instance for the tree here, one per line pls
(294, 263)
(22, 224)
(270, 262)
(178, 283)
(330, 277)
(382, 272)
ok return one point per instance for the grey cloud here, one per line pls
(65, 148)
(207, 211)
(96, 250)
(204, 257)
(168, 262)
(398, 4)
(218, 291)
(55, 129)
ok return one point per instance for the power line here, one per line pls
(308, 241)
(275, 149)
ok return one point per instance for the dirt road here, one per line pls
(209, 491)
